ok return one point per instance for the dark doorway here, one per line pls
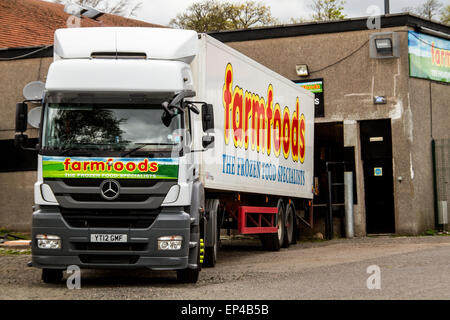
(376, 149)
(328, 147)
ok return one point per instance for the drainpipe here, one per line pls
(348, 185)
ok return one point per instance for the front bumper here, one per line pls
(140, 251)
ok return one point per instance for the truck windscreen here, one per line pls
(118, 128)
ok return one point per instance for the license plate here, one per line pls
(108, 238)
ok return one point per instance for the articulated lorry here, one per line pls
(151, 141)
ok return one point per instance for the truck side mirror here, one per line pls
(21, 117)
(207, 117)
(34, 117)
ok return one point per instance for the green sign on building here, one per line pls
(429, 57)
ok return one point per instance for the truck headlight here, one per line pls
(170, 243)
(48, 241)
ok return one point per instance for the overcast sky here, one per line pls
(161, 11)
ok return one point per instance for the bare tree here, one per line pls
(125, 8)
(327, 10)
(445, 15)
(428, 10)
(251, 13)
(212, 15)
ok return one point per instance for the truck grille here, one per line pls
(89, 246)
(142, 194)
(101, 218)
(108, 259)
(92, 197)
(137, 183)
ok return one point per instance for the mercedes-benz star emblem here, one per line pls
(109, 189)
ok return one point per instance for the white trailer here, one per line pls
(152, 140)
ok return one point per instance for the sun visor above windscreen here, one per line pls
(82, 75)
(151, 43)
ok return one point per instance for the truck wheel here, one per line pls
(274, 241)
(289, 225)
(52, 275)
(211, 251)
(211, 256)
(188, 275)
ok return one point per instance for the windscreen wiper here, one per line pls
(142, 145)
(76, 150)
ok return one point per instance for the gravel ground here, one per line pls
(411, 268)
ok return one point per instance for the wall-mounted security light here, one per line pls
(302, 70)
(384, 45)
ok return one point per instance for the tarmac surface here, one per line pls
(409, 268)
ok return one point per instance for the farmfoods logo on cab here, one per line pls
(125, 168)
(109, 165)
(252, 122)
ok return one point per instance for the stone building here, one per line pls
(379, 109)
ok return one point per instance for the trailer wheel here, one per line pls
(274, 241)
(52, 275)
(289, 225)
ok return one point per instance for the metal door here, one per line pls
(376, 148)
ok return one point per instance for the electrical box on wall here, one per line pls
(384, 45)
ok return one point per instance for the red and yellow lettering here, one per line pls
(247, 116)
(153, 166)
(97, 165)
(130, 166)
(258, 122)
(245, 113)
(302, 138)
(76, 166)
(238, 115)
(66, 164)
(109, 162)
(143, 165)
(269, 115)
(295, 133)
(227, 100)
(277, 128)
(118, 166)
(286, 132)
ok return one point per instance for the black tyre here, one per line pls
(210, 256)
(211, 252)
(274, 241)
(270, 242)
(289, 225)
(52, 275)
(191, 275)
(188, 275)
